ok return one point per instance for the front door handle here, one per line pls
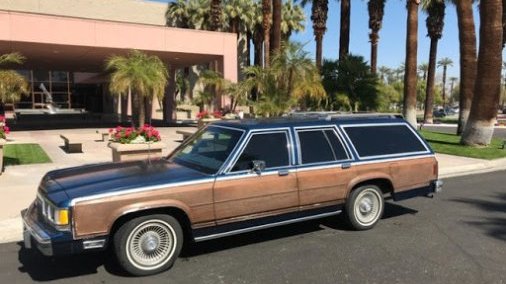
(346, 166)
(283, 173)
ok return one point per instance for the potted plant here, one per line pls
(129, 143)
(4, 130)
(205, 117)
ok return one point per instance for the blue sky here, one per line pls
(391, 51)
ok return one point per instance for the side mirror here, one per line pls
(258, 166)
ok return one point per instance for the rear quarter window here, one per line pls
(384, 140)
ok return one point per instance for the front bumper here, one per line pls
(51, 242)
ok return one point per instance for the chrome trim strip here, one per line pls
(255, 228)
(245, 174)
(393, 159)
(343, 126)
(138, 189)
(93, 244)
(226, 127)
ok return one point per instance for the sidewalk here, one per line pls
(18, 184)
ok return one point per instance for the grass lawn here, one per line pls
(449, 144)
(22, 154)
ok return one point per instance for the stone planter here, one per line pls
(204, 121)
(129, 152)
(2, 143)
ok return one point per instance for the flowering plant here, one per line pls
(4, 129)
(130, 135)
(206, 114)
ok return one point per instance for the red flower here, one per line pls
(7, 130)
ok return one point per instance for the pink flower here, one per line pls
(7, 130)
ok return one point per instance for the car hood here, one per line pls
(61, 186)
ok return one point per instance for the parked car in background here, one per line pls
(229, 178)
(439, 112)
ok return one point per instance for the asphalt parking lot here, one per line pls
(457, 237)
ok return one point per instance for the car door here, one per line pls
(240, 193)
(323, 173)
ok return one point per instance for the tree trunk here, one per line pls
(276, 25)
(429, 95)
(148, 107)
(136, 109)
(215, 15)
(344, 36)
(374, 51)
(480, 126)
(319, 50)
(266, 23)
(410, 76)
(257, 43)
(467, 38)
(444, 86)
(248, 48)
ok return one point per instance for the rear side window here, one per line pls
(379, 140)
(317, 146)
(270, 147)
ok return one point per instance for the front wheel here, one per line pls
(149, 244)
(364, 207)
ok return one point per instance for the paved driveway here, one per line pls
(457, 237)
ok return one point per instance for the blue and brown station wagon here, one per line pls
(231, 177)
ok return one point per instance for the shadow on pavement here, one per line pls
(41, 268)
(492, 226)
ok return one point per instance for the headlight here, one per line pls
(57, 216)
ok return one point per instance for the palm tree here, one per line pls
(177, 14)
(452, 84)
(435, 24)
(480, 126)
(290, 78)
(216, 12)
(266, 24)
(385, 73)
(319, 9)
(141, 75)
(423, 68)
(277, 7)
(410, 76)
(467, 39)
(293, 20)
(376, 11)
(444, 62)
(344, 33)
(12, 84)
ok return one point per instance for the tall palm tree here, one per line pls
(467, 39)
(319, 10)
(277, 7)
(480, 126)
(435, 23)
(266, 24)
(410, 76)
(452, 84)
(216, 12)
(141, 75)
(376, 11)
(12, 84)
(423, 68)
(344, 33)
(293, 20)
(444, 62)
(177, 14)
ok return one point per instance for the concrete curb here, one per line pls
(11, 230)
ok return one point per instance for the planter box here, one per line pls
(129, 152)
(2, 143)
(205, 121)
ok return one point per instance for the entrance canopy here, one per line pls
(82, 45)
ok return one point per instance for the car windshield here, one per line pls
(207, 151)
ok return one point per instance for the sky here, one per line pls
(392, 42)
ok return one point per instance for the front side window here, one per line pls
(319, 146)
(272, 148)
(207, 151)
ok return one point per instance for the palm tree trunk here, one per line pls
(142, 111)
(410, 76)
(467, 38)
(136, 109)
(319, 50)
(374, 51)
(444, 86)
(257, 43)
(266, 11)
(344, 35)
(215, 15)
(276, 25)
(480, 126)
(248, 48)
(429, 95)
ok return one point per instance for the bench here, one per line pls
(185, 133)
(72, 143)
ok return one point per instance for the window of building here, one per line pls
(379, 140)
(269, 147)
(319, 146)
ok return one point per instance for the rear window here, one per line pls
(381, 140)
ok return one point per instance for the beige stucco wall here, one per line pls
(133, 11)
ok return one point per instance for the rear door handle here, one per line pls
(346, 166)
(283, 173)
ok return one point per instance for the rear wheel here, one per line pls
(365, 207)
(149, 244)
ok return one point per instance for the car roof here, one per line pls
(309, 120)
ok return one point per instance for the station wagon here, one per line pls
(231, 177)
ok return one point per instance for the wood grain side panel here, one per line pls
(95, 217)
(317, 186)
(414, 173)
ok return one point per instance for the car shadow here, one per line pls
(41, 268)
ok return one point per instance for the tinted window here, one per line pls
(384, 140)
(271, 148)
(320, 146)
(207, 151)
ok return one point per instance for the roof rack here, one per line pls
(323, 115)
